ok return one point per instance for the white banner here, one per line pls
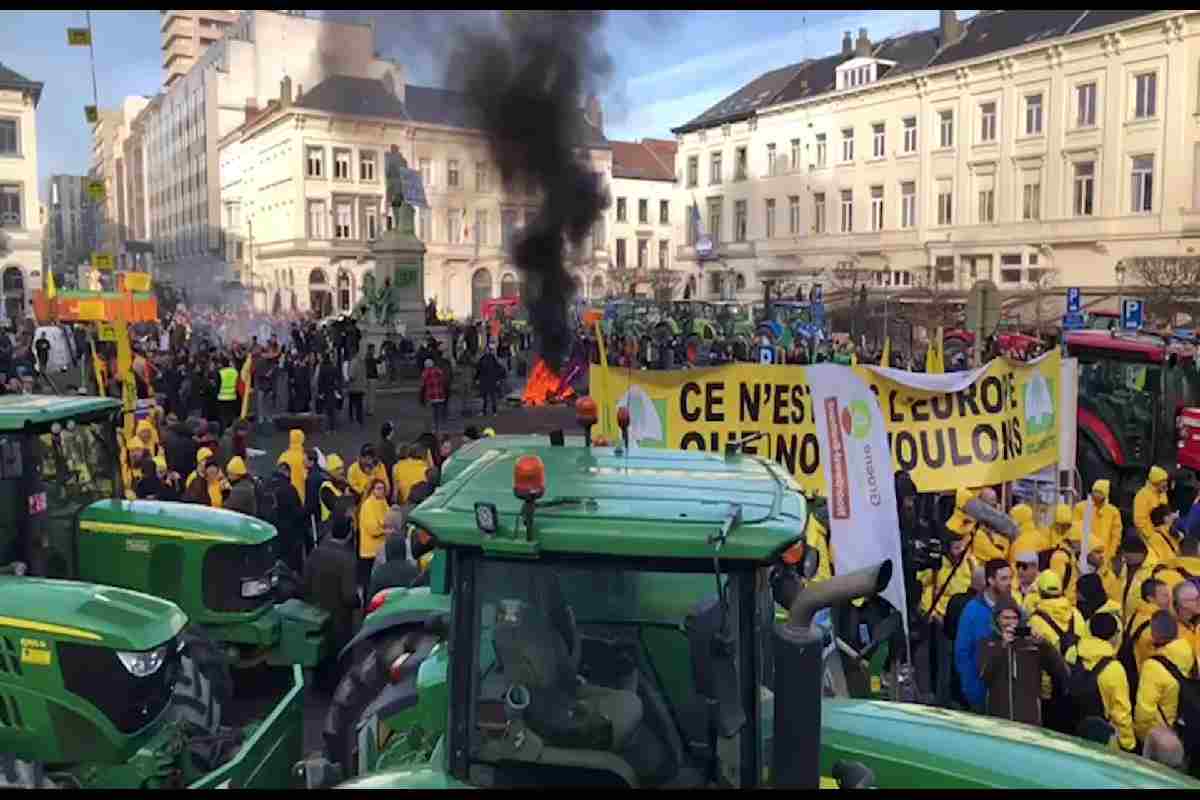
(858, 476)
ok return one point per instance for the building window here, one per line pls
(847, 144)
(1031, 200)
(946, 122)
(910, 134)
(316, 220)
(10, 205)
(987, 206)
(341, 165)
(987, 122)
(739, 165)
(879, 140)
(9, 145)
(664, 248)
(1085, 105)
(945, 205)
(366, 165)
(822, 150)
(714, 169)
(1143, 184)
(342, 223)
(664, 212)
(452, 174)
(693, 170)
(770, 218)
(621, 209)
(944, 269)
(643, 253)
(644, 211)
(1010, 268)
(1033, 115)
(795, 154)
(819, 212)
(508, 228)
(714, 218)
(316, 162)
(847, 211)
(693, 221)
(1085, 188)
(908, 204)
(620, 254)
(481, 177)
(739, 221)
(1145, 88)
(771, 164)
(426, 168)
(481, 226)
(371, 218)
(876, 208)
(454, 226)
(794, 215)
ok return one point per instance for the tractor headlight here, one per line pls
(144, 663)
(256, 587)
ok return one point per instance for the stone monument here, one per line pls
(396, 305)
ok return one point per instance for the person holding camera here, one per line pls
(951, 578)
(1010, 663)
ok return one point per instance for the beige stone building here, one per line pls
(20, 215)
(1037, 149)
(186, 35)
(641, 218)
(302, 189)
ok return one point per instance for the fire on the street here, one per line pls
(545, 386)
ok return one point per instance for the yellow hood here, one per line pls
(1022, 514)
(296, 439)
(1101, 487)
(1180, 653)
(236, 467)
(1060, 610)
(202, 455)
(1092, 650)
(1157, 475)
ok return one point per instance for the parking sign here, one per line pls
(1074, 300)
(1132, 312)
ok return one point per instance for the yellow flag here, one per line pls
(885, 358)
(51, 289)
(934, 362)
(246, 376)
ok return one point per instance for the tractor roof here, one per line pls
(162, 519)
(649, 503)
(87, 613)
(18, 410)
(1133, 346)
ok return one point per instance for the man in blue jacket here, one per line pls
(974, 626)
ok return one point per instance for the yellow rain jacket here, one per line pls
(294, 458)
(406, 474)
(1030, 538)
(1106, 522)
(1114, 687)
(1158, 692)
(150, 441)
(1062, 612)
(959, 581)
(202, 455)
(1162, 545)
(360, 482)
(1178, 569)
(1144, 645)
(370, 526)
(816, 536)
(1146, 500)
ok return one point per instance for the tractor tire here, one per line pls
(18, 774)
(365, 678)
(204, 685)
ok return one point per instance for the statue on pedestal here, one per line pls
(393, 166)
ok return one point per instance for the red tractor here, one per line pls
(1139, 405)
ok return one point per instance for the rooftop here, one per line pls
(649, 159)
(647, 503)
(10, 79)
(987, 33)
(18, 409)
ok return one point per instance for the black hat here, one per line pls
(367, 450)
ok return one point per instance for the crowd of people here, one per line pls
(1080, 623)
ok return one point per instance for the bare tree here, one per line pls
(930, 306)
(664, 282)
(1168, 282)
(1041, 281)
(623, 280)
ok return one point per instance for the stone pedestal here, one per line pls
(400, 262)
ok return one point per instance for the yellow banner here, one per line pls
(79, 37)
(995, 424)
(96, 190)
(137, 281)
(102, 262)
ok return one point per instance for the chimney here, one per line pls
(862, 47)
(950, 28)
(251, 108)
(847, 44)
(285, 92)
(594, 114)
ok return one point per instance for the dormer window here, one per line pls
(861, 71)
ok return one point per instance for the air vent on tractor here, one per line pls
(10, 656)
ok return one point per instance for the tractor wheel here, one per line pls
(204, 686)
(365, 678)
(18, 774)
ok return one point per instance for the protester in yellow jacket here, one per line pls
(1064, 558)
(131, 465)
(1092, 599)
(365, 471)
(202, 457)
(1123, 577)
(1154, 598)
(1030, 538)
(1158, 691)
(1112, 680)
(1185, 566)
(1024, 587)
(817, 537)
(294, 458)
(408, 471)
(956, 580)
(1153, 494)
(1103, 517)
(371, 514)
(1161, 541)
(987, 543)
(959, 523)
(1054, 617)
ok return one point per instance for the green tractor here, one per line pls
(99, 689)
(598, 616)
(59, 478)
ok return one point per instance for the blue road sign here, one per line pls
(1132, 312)
(817, 296)
(1074, 300)
(1073, 321)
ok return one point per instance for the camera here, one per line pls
(1022, 631)
(926, 553)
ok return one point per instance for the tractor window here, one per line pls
(76, 463)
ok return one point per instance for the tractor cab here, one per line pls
(1139, 403)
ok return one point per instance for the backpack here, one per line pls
(1083, 688)
(1187, 720)
(1126, 655)
(1066, 639)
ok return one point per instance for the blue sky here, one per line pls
(662, 79)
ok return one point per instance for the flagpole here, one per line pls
(92, 54)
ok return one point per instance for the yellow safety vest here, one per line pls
(325, 512)
(229, 379)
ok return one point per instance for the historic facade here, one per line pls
(20, 222)
(641, 217)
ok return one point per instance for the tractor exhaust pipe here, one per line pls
(796, 746)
